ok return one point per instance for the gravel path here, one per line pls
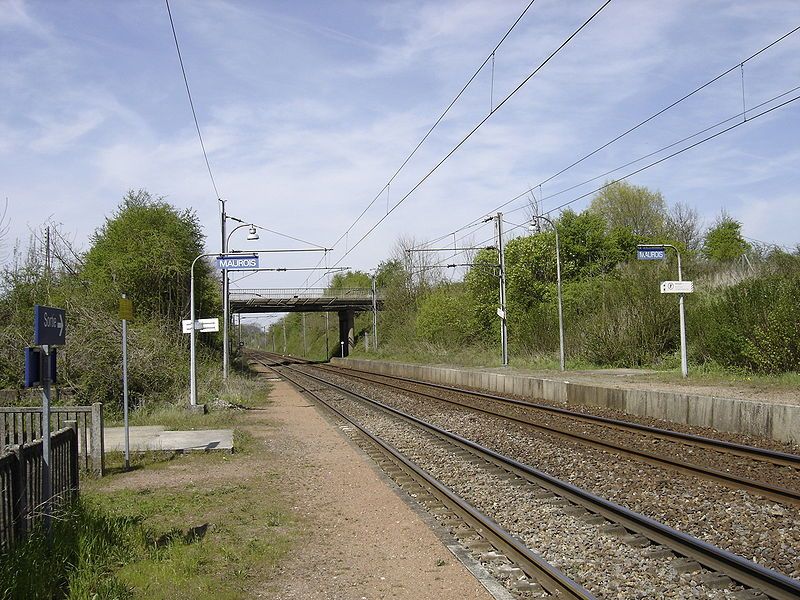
(743, 523)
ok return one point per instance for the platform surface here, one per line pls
(155, 437)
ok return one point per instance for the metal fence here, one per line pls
(21, 476)
(23, 424)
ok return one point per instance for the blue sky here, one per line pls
(308, 108)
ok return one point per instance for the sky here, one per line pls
(308, 108)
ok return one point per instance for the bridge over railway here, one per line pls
(346, 302)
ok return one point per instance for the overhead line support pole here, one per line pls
(502, 311)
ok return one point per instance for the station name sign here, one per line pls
(651, 253)
(234, 262)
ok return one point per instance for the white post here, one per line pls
(684, 358)
(192, 358)
(224, 242)
(560, 308)
(125, 391)
(503, 316)
(225, 319)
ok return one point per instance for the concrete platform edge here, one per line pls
(776, 421)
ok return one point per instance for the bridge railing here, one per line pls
(304, 293)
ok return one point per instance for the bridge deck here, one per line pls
(302, 300)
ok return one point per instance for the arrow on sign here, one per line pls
(60, 324)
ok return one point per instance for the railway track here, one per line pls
(637, 529)
(525, 413)
(434, 495)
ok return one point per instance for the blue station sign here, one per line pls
(237, 262)
(49, 326)
(651, 253)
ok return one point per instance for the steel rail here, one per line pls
(774, 492)
(753, 452)
(533, 564)
(750, 574)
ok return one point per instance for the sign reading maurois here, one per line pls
(234, 262)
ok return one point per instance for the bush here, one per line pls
(754, 324)
(445, 316)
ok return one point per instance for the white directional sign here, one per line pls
(501, 313)
(677, 287)
(201, 325)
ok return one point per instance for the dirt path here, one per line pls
(361, 541)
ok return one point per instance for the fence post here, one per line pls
(98, 446)
(72, 468)
(20, 510)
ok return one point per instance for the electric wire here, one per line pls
(474, 129)
(191, 102)
(750, 118)
(386, 187)
(658, 113)
(436, 123)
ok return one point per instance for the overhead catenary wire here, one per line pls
(474, 129)
(749, 120)
(444, 113)
(633, 128)
(191, 101)
(385, 188)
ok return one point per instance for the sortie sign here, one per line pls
(49, 326)
(236, 262)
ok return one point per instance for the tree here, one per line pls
(5, 226)
(724, 241)
(634, 207)
(351, 279)
(683, 226)
(145, 250)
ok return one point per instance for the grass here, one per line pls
(239, 545)
(240, 391)
(218, 532)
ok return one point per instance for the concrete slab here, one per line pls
(156, 438)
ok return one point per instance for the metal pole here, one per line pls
(560, 308)
(239, 335)
(47, 252)
(125, 391)
(225, 319)
(192, 357)
(684, 358)
(284, 336)
(47, 473)
(374, 314)
(502, 312)
(273, 340)
(225, 284)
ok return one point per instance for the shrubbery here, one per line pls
(144, 250)
(753, 324)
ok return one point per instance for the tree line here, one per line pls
(143, 250)
(742, 316)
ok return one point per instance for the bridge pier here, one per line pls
(346, 331)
